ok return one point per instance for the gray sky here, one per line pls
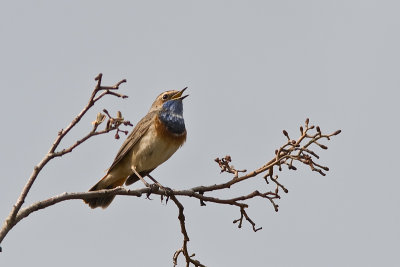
(253, 68)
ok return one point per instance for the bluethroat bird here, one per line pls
(153, 140)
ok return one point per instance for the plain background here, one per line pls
(253, 68)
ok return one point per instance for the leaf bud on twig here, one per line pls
(337, 132)
(291, 167)
(99, 119)
(285, 133)
(323, 146)
(106, 112)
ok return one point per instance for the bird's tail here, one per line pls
(105, 201)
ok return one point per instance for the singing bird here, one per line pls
(154, 139)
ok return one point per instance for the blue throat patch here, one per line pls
(171, 115)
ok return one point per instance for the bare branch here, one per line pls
(300, 151)
(11, 219)
(243, 213)
(225, 166)
(183, 249)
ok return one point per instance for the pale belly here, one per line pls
(150, 152)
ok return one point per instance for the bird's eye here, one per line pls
(165, 96)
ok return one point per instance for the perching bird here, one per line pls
(153, 140)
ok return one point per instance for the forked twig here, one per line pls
(291, 153)
(10, 221)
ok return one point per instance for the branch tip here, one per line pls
(98, 77)
(337, 132)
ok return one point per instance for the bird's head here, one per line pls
(170, 111)
(168, 99)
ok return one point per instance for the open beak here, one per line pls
(179, 95)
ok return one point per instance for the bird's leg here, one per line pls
(140, 177)
(155, 181)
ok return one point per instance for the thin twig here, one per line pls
(183, 249)
(10, 221)
(293, 151)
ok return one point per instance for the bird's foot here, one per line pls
(154, 187)
(167, 193)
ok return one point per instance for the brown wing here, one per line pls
(137, 133)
